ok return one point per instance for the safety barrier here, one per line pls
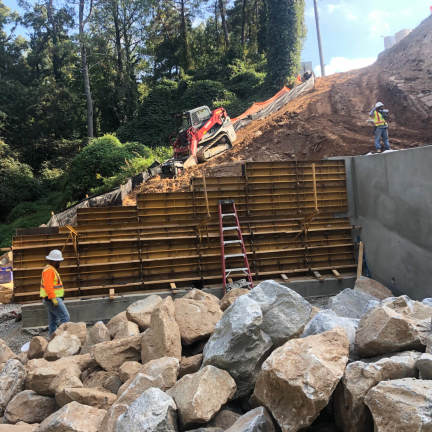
(291, 214)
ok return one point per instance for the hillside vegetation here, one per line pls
(119, 70)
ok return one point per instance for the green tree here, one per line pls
(286, 31)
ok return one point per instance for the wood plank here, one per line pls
(360, 260)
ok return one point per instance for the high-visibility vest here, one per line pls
(378, 119)
(58, 285)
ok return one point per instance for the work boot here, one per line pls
(378, 151)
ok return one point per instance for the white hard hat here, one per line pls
(379, 104)
(55, 255)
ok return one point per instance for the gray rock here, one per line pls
(427, 301)
(224, 419)
(352, 303)
(12, 379)
(285, 312)
(424, 365)
(268, 316)
(206, 429)
(153, 411)
(257, 420)
(326, 320)
(238, 344)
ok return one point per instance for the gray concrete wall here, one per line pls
(392, 201)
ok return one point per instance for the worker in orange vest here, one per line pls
(52, 291)
(379, 118)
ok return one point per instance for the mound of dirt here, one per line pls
(332, 119)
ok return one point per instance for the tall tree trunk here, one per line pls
(216, 18)
(118, 48)
(243, 28)
(224, 22)
(56, 62)
(84, 68)
(185, 36)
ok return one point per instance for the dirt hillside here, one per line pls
(332, 119)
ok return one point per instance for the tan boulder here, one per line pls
(372, 287)
(103, 380)
(140, 312)
(5, 352)
(117, 323)
(95, 397)
(229, 298)
(23, 427)
(12, 378)
(396, 325)
(201, 395)
(129, 369)
(126, 329)
(402, 405)
(29, 407)
(111, 355)
(162, 339)
(63, 345)
(37, 348)
(224, 419)
(196, 294)
(49, 377)
(351, 413)
(257, 420)
(78, 329)
(96, 334)
(161, 373)
(74, 417)
(190, 365)
(196, 318)
(298, 379)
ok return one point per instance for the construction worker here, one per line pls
(379, 116)
(52, 292)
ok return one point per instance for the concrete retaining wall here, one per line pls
(392, 201)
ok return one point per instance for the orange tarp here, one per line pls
(258, 106)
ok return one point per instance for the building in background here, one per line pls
(390, 41)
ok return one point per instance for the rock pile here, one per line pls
(259, 360)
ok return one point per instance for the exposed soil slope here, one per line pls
(332, 119)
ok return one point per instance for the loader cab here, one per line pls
(195, 117)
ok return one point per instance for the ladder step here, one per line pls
(228, 214)
(231, 241)
(230, 228)
(234, 255)
(236, 269)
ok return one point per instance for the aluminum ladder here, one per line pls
(229, 226)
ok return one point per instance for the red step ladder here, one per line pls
(229, 226)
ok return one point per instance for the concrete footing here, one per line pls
(104, 308)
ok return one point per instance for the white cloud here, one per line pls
(346, 10)
(379, 22)
(343, 64)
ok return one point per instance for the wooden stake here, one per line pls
(315, 187)
(285, 277)
(336, 274)
(360, 260)
(173, 286)
(111, 294)
(318, 275)
(206, 196)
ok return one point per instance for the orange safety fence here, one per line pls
(258, 106)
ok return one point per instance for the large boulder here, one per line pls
(224, 419)
(29, 407)
(352, 303)
(95, 397)
(103, 380)
(229, 298)
(140, 312)
(117, 323)
(161, 373)
(327, 319)
(12, 378)
(127, 329)
(298, 379)
(73, 417)
(111, 355)
(78, 329)
(129, 369)
(5, 352)
(351, 413)
(269, 315)
(398, 324)
(427, 301)
(97, 334)
(256, 420)
(372, 287)
(22, 427)
(162, 339)
(152, 411)
(196, 318)
(63, 345)
(190, 365)
(201, 395)
(424, 365)
(37, 348)
(402, 405)
(196, 294)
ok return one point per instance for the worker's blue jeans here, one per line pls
(56, 314)
(381, 132)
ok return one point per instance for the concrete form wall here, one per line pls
(391, 198)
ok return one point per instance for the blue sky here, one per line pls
(352, 31)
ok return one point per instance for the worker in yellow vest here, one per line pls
(379, 118)
(52, 291)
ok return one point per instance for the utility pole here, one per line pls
(319, 39)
